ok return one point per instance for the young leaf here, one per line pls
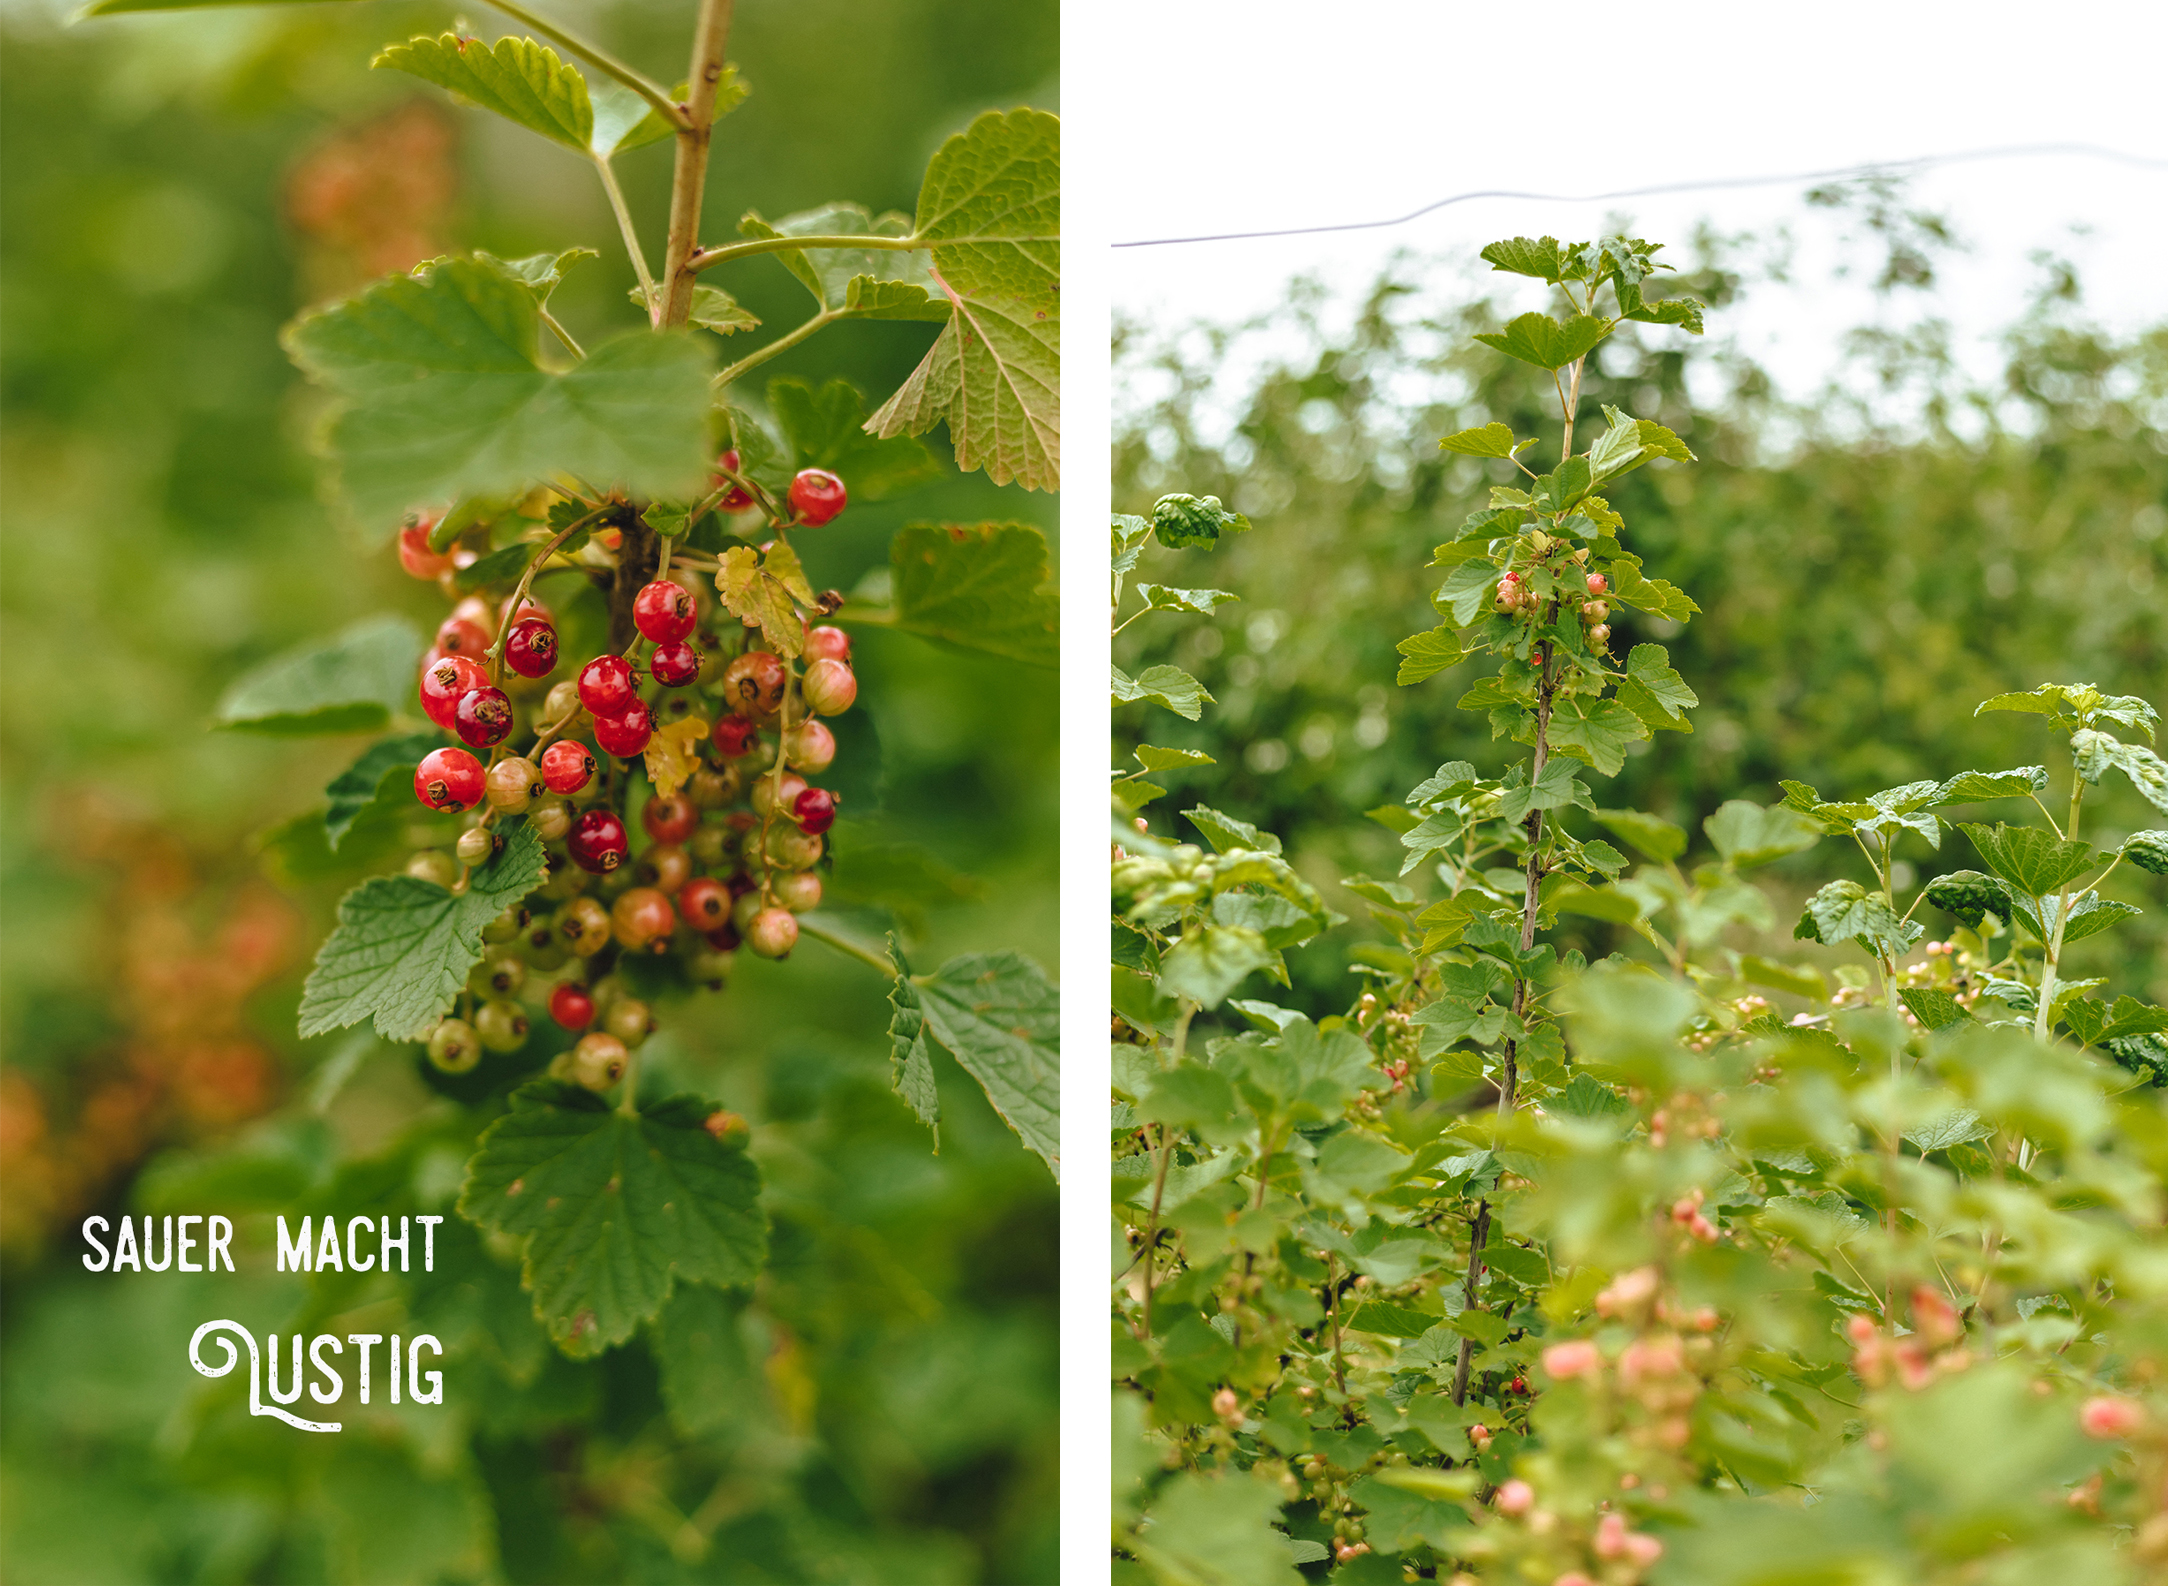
(623, 120)
(403, 946)
(984, 587)
(1630, 442)
(1210, 961)
(540, 273)
(767, 593)
(1556, 788)
(1748, 835)
(520, 79)
(1154, 758)
(1197, 602)
(826, 428)
(445, 397)
(1546, 343)
(991, 207)
(1182, 521)
(1466, 591)
(1226, 834)
(2029, 859)
(829, 272)
(910, 1060)
(1169, 686)
(616, 1209)
(2096, 752)
(1427, 654)
(1541, 257)
(356, 683)
(1134, 792)
(371, 779)
(1970, 895)
(713, 309)
(1650, 594)
(1652, 835)
(1845, 911)
(1971, 787)
(1000, 1017)
(1491, 440)
(1654, 692)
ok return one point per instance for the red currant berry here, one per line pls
(827, 644)
(530, 649)
(830, 687)
(640, 916)
(458, 636)
(734, 499)
(444, 681)
(665, 867)
(816, 496)
(627, 734)
(450, 779)
(772, 933)
(724, 938)
(607, 685)
(663, 611)
(675, 665)
(484, 717)
(571, 1006)
(597, 840)
(1597, 583)
(734, 736)
(670, 817)
(567, 766)
(414, 552)
(753, 684)
(810, 746)
(705, 903)
(814, 810)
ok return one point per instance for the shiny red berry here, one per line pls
(458, 636)
(826, 643)
(450, 779)
(608, 685)
(597, 841)
(753, 684)
(705, 903)
(567, 766)
(816, 496)
(416, 556)
(444, 681)
(530, 649)
(483, 717)
(734, 736)
(735, 498)
(675, 664)
(814, 810)
(670, 817)
(571, 1006)
(663, 611)
(625, 734)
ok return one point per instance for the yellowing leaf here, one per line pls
(672, 753)
(764, 594)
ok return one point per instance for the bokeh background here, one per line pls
(1873, 551)
(174, 189)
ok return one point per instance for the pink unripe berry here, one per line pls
(772, 932)
(1577, 1358)
(1597, 583)
(2107, 1417)
(830, 687)
(1516, 1497)
(826, 643)
(809, 745)
(414, 553)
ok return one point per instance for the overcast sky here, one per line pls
(1247, 117)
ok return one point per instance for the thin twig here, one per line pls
(705, 257)
(807, 926)
(626, 230)
(781, 344)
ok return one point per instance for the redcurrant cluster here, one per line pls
(734, 833)
(1517, 595)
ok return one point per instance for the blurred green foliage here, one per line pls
(1869, 563)
(885, 1411)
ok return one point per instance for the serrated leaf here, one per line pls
(519, 79)
(1225, 833)
(503, 565)
(2148, 851)
(624, 121)
(2029, 859)
(828, 272)
(1598, 903)
(1210, 961)
(1135, 792)
(1153, 758)
(712, 309)
(1490, 440)
(1630, 442)
(1545, 342)
(1168, 686)
(2095, 753)
(1594, 730)
(541, 273)
(1466, 591)
(1936, 1010)
(1845, 911)
(2096, 1023)
(984, 587)
(1970, 787)
(1968, 895)
(1748, 835)
(403, 946)
(1654, 692)
(1181, 521)
(1196, 602)
(1654, 836)
(825, 428)
(910, 1061)
(1952, 1128)
(1555, 788)
(2089, 916)
(1424, 655)
(1801, 980)
(444, 397)
(710, 1382)
(383, 774)
(615, 1209)
(1000, 1017)
(991, 207)
(1541, 257)
(760, 591)
(356, 683)
(1652, 595)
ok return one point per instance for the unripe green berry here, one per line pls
(502, 1025)
(605, 992)
(629, 1020)
(772, 933)
(598, 1062)
(583, 925)
(710, 789)
(433, 864)
(551, 819)
(474, 845)
(615, 883)
(1594, 612)
(562, 697)
(507, 926)
(454, 1046)
(566, 880)
(711, 969)
(798, 891)
(541, 946)
(788, 848)
(499, 975)
(512, 784)
(742, 911)
(710, 845)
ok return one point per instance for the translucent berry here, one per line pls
(665, 866)
(475, 845)
(675, 665)
(449, 779)
(597, 841)
(530, 649)
(598, 1062)
(499, 975)
(669, 817)
(454, 1046)
(444, 681)
(433, 864)
(571, 1006)
(484, 717)
(814, 810)
(608, 685)
(627, 734)
(704, 903)
(583, 925)
(551, 819)
(458, 635)
(640, 916)
(827, 644)
(663, 611)
(798, 891)
(810, 746)
(414, 552)
(502, 1025)
(788, 848)
(567, 766)
(816, 496)
(772, 933)
(735, 735)
(506, 926)
(513, 784)
(830, 687)
(1597, 583)
(753, 684)
(777, 794)
(710, 789)
(629, 1020)
(562, 700)
(735, 498)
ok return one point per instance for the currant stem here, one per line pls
(846, 945)
(745, 250)
(561, 333)
(781, 344)
(688, 185)
(631, 236)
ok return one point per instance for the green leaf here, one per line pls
(713, 309)
(1651, 834)
(1169, 686)
(910, 1060)
(1936, 1010)
(984, 587)
(1597, 903)
(2096, 1023)
(826, 428)
(444, 397)
(520, 79)
(1595, 730)
(2076, 705)
(2095, 753)
(991, 207)
(1226, 834)
(1210, 961)
(541, 273)
(1154, 758)
(356, 683)
(1427, 654)
(615, 1209)
(1197, 602)
(1181, 521)
(403, 946)
(1555, 788)
(2089, 916)
(1630, 442)
(1492, 440)
(828, 273)
(383, 774)
(1654, 692)
(1000, 1017)
(1802, 980)
(1135, 792)
(1970, 787)
(1748, 835)
(623, 120)
(1466, 591)
(1544, 342)
(1127, 534)
(1969, 895)
(1652, 595)
(1216, 1531)
(1541, 257)
(709, 1380)
(1845, 911)
(2029, 859)
(2148, 851)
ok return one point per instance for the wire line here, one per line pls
(1920, 163)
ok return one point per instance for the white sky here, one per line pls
(1247, 117)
